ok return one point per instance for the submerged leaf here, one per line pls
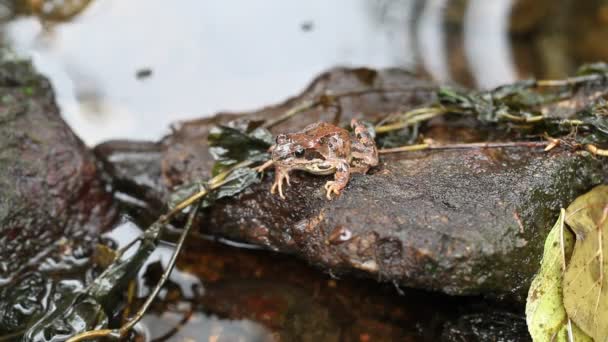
(236, 142)
(585, 280)
(81, 312)
(545, 313)
(23, 301)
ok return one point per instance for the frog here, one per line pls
(322, 148)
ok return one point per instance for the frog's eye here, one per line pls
(281, 139)
(299, 152)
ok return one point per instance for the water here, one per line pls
(204, 56)
(128, 69)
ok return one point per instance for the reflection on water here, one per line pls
(127, 69)
(249, 296)
(204, 56)
(200, 327)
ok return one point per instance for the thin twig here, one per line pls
(553, 143)
(596, 150)
(569, 81)
(140, 313)
(427, 147)
(328, 97)
(411, 118)
(531, 119)
(213, 184)
(126, 328)
(299, 108)
(408, 148)
(175, 329)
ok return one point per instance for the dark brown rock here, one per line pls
(49, 183)
(461, 222)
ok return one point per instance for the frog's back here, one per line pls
(320, 130)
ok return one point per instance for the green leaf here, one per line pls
(517, 100)
(592, 68)
(585, 280)
(596, 116)
(545, 313)
(183, 192)
(236, 181)
(238, 141)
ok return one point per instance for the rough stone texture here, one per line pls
(461, 222)
(447, 221)
(49, 181)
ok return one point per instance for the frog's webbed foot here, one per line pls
(280, 175)
(341, 178)
(332, 187)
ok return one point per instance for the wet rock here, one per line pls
(49, 183)
(460, 222)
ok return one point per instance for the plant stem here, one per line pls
(124, 330)
(428, 147)
(93, 334)
(532, 119)
(408, 148)
(299, 108)
(328, 97)
(596, 150)
(213, 184)
(411, 118)
(569, 81)
(180, 244)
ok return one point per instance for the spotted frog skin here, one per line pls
(323, 149)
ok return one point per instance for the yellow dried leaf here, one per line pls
(545, 313)
(585, 282)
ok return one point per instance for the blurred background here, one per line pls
(128, 68)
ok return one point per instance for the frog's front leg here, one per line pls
(280, 174)
(264, 166)
(341, 178)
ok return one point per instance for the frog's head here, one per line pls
(290, 153)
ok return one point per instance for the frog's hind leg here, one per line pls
(363, 168)
(364, 149)
(362, 134)
(341, 178)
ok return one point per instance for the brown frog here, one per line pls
(323, 149)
